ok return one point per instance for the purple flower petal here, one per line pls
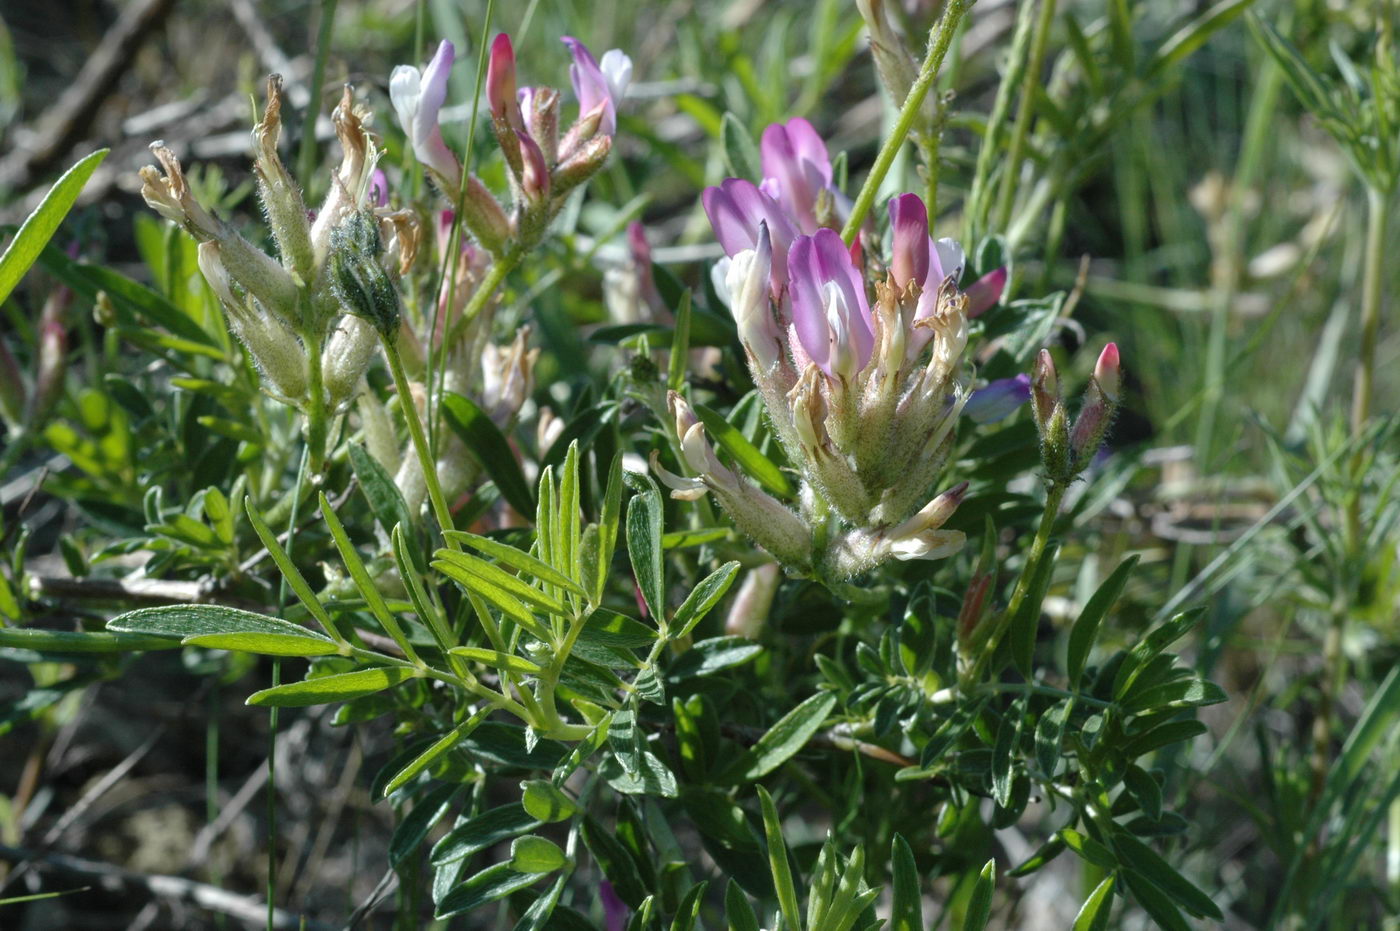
(591, 86)
(794, 157)
(998, 400)
(831, 315)
(909, 223)
(984, 293)
(735, 209)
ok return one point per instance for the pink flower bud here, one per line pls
(909, 224)
(984, 293)
(1107, 373)
(1045, 387)
(534, 180)
(500, 82)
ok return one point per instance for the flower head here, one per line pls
(796, 169)
(599, 87)
(418, 97)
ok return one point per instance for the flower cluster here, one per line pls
(331, 286)
(543, 167)
(864, 387)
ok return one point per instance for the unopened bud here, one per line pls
(275, 350)
(280, 196)
(484, 218)
(1107, 373)
(1100, 404)
(52, 364)
(534, 175)
(582, 164)
(1045, 388)
(345, 359)
(540, 108)
(500, 82)
(751, 606)
(360, 282)
(984, 293)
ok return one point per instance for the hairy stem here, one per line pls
(420, 440)
(940, 37)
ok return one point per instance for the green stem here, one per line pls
(1364, 388)
(306, 157)
(420, 440)
(1053, 496)
(940, 37)
(1023, 113)
(317, 426)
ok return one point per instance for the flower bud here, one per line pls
(1107, 374)
(51, 365)
(582, 164)
(1100, 404)
(360, 282)
(275, 350)
(534, 175)
(916, 538)
(751, 606)
(984, 293)
(500, 82)
(345, 359)
(540, 108)
(280, 196)
(1045, 388)
(484, 218)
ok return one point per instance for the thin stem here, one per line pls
(306, 158)
(317, 427)
(1053, 496)
(420, 440)
(940, 37)
(1023, 113)
(1364, 389)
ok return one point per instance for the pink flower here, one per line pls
(500, 83)
(417, 98)
(736, 208)
(919, 259)
(830, 311)
(599, 86)
(983, 294)
(796, 168)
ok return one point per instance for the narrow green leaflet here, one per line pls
(482, 831)
(492, 883)
(1086, 627)
(789, 735)
(1089, 849)
(225, 628)
(428, 810)
(64, 641)
(745, 454)
(1144, 860)
(1022, 629)
(614, 861)
(508, 662)
(907, 907)
(644, 542)
(341, 687)
(979, 908)
(1156, 903)
(702, 599)
(517, 559)
(778, 860)
(737, 910)
(38, 228)
(509, 605)
(294, 578)
(1093, 914)
(489, 447)
(384, 497)
(440, 746)
(608, 523)
(360, 575)
(465, 565)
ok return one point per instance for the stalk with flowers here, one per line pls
(763, 592)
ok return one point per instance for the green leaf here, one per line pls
(384, 497)
(440, 746)
(608, 523)
(614, 861)
(789, 735)
(778, 860)
(1157, 640)
(644, 543)
(1049, 731)
(482, 831)
(702, 599)
(737, 910)
(1086, 627)
(503, 599)
(650, 776)
(1190, 693)
(708, 657)
(979, 907)
(341, 687)
(1023, 625)
(38, 228)
(498, 660)
(746, 455)
(294, 578)
(1093, 914)
(1004, 751)
(741, 158)
(1089, 849)
(63, 641)
(535, 854)
(225, 628)
(1144, 860)
(465, 567)
(1046, 852)
(363, 583)
(490, 448)
(427, 811)
(1144, 790)
(492, 883)
(907, 908)
(1161, 736)
(680, 345)
(616, 630)
(547, 802)
(1155, 903)
(1191, 37)
(517, 559)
